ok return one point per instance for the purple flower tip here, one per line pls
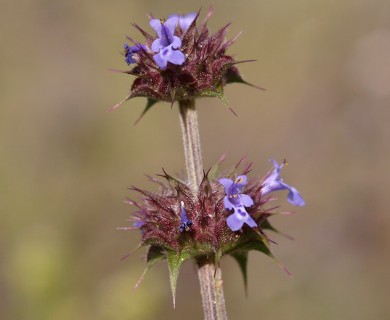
(185, 224)
(167, 44)
(274, 182)
(138, 224)
(128, 51)
(185, 20)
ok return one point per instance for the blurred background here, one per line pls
(66, 161)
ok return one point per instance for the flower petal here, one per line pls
(156, 26)
(240, 182)
(227, 183)
(295, 198)
(166, 36)
(176, 57)
(271, 186)
(234, 222)
(156, 45)
(171, 24)
(185, 21)
(250, 222)
(138, 224)
(160, 61)
(245, 200)
(176, 43)
(277, 167)
(227, 204)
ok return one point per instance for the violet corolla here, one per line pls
(129, 51)
(185, 222)
(167, 45)
(237, 201)
(184, 20)
(236, 220)
(274, 182)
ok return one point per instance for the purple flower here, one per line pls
(274, 182)
(138, 224)
(233, 197)
(129, 50)
(185, 222)
(236, 220)
(184, 21)
(166, 45)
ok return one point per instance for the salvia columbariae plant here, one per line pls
(206, 215)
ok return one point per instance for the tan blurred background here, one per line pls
(66, 162)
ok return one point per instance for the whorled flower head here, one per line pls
(227, 216)
(181, 60)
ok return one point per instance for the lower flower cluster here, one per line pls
(226, 216)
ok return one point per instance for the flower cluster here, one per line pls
(178, 225)
(181, 61)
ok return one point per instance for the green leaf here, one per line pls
(150, 103)
(215, 93)
(242, 259)
(172, 180)
(253, 240)
(233, 76)
(175, 261)
(259, 245)
(262, 245)
(154, 255)
(213, 172)
(267, 225)
(218, 94)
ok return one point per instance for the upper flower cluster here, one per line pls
(182, 60)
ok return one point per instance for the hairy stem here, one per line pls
(210, 276)
(191, 141)
(211, 287)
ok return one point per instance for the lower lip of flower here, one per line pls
(241, 212)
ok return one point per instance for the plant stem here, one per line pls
(191, 141)
(210, 276)
(211, 288)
